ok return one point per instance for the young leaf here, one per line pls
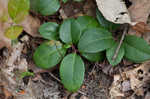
(46, 7)
(94, 57)
(110, 53)
(70, 31)
(87, 22)
(13, 32)
(27, 73)
(105, 23)
(18, 9)
(136, 49)
(49, 54)
(49, 30)
(72, 72)
(95, 40)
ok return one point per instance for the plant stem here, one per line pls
(74, 49)
(120, 43)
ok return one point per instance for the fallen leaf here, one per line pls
(139, 12)
(30, 24)
(115, 89)
(141, 28)
(139, 76)
(114, 11)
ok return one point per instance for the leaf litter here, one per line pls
(132, 81)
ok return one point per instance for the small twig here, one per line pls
(54, 77)
(79, 91)
(120, 43)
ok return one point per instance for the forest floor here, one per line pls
(102, 81)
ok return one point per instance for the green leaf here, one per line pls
(13, 32)
(49, 54)
(72, 72)
(49, 30)
(46, 7)
(136, 49)
(105, 23)
(87, 22)
(70, 31)
(64, 1)
(95, 40)
(27, 73)
(94, 57)
(18, 9)
(110, 53)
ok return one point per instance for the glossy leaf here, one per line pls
(94, 57)
(49, 54)
(46, 7)
(87, 22)
(95, 40)
(70, 31)
(105, 23)
(136, 49)
(110, 53)
(49, 30)
(72, 72)
(13, 32)
(18, 9)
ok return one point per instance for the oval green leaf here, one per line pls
(49, 30)
(87, 22)
(105, 23)
(70, 31)
(110, 53)
(13, 32)
(94, 57)
(18, 9)
(95, 40)
(136, 49)
(46, 7)
(49, 54)
(72, 72)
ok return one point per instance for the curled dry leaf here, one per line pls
(115, 89)
(30, 24)
(135, 80)
(139, 77)
(114, 11)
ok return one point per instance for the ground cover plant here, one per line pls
(75, 39)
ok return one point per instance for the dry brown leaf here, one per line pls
(30, 24)
(139, 12)
(131, 79)
(115, 89)
(139, 76)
